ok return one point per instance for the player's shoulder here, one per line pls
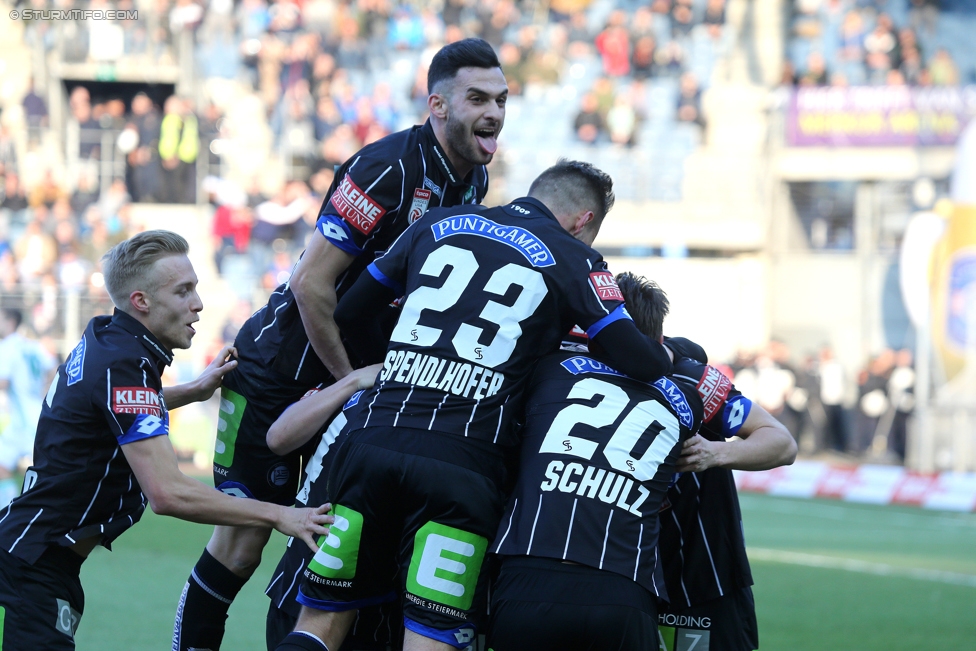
(402, 146)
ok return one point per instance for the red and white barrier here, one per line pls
(867, 484)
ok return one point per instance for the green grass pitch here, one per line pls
(830, 576)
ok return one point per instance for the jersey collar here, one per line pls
(131, 325)
(476, 178)
(534, 206)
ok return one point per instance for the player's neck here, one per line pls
(461, 166)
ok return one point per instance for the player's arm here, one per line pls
(300, 422)
(172, 493)
(204, 386)
(762, 443)
(313, 284)
(356, 314)
(631, 352)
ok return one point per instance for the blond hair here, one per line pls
(128, 264)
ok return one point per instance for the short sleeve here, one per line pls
(129, 396)
(725, 408)
(369, 191)
(595, 297)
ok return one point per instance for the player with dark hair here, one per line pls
(292, 344)
(102, 447)
(418, 485)
(701, 545)
(578, 540)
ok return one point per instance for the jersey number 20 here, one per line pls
(619, 449)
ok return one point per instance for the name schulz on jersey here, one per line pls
(595, 483)
(459, 378)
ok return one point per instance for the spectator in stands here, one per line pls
(384, 108)
(622, 122)
(901, 393)
(14, 204)
(851, 51)
(579, 36)
(35, 112)
(111, 204)
(82, 118)
(46, 192)
(178, 148)
(682, 19)
(211, 124)
(35, 253)
(143, 162)
(85, 194)
(924, 14)
(943, 69)
(881, 50)
(642, 58)
(832, 391)
(613, 44)
(872, 399)
(816, 72)
(714, 18)
(588, 124)
(326, 117)
(510, 56)
(689, 107)
(231, 230)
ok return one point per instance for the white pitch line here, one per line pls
(854, 565)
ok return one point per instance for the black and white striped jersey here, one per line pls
(702, 543)
(285, 580)
(376, 194)
(107, 394)
(598, 451)
(487, 294)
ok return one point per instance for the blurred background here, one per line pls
(794, 173)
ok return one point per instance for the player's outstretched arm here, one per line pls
(303, 419)
(763, 443)
(313, 284)
(172, 493)
(204, 386)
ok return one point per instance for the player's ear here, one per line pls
(582, 221)
(437, 104)
(140, 301)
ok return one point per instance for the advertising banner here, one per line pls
(873, 116)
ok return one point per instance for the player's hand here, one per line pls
(213, 375)
(366, 377)
(698, 454)
(306, 524)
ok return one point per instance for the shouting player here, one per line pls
(418, 484)
(578, 541)
(103, 448)
(292, 344)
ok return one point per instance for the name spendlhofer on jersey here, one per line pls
(702, 542)
(487, 294)
(598, 451)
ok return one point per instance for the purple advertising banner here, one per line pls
(872, 116)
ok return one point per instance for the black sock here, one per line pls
(299, 641)
(202, 610)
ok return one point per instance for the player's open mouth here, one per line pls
(486, 138)
(191, 329)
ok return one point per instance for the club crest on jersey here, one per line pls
(74, 368)
(676, 399)
(713, 388)
(136, 400)
(605, 286)
(419, 206)
(534, 250)
(580, 364)
(356, 207)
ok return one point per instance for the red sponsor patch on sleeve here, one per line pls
(713, 388)
(605, 286)
(356, 207)
(136, 400)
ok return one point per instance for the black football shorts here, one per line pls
(724, 624)
(414, 513)
(544, 604)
